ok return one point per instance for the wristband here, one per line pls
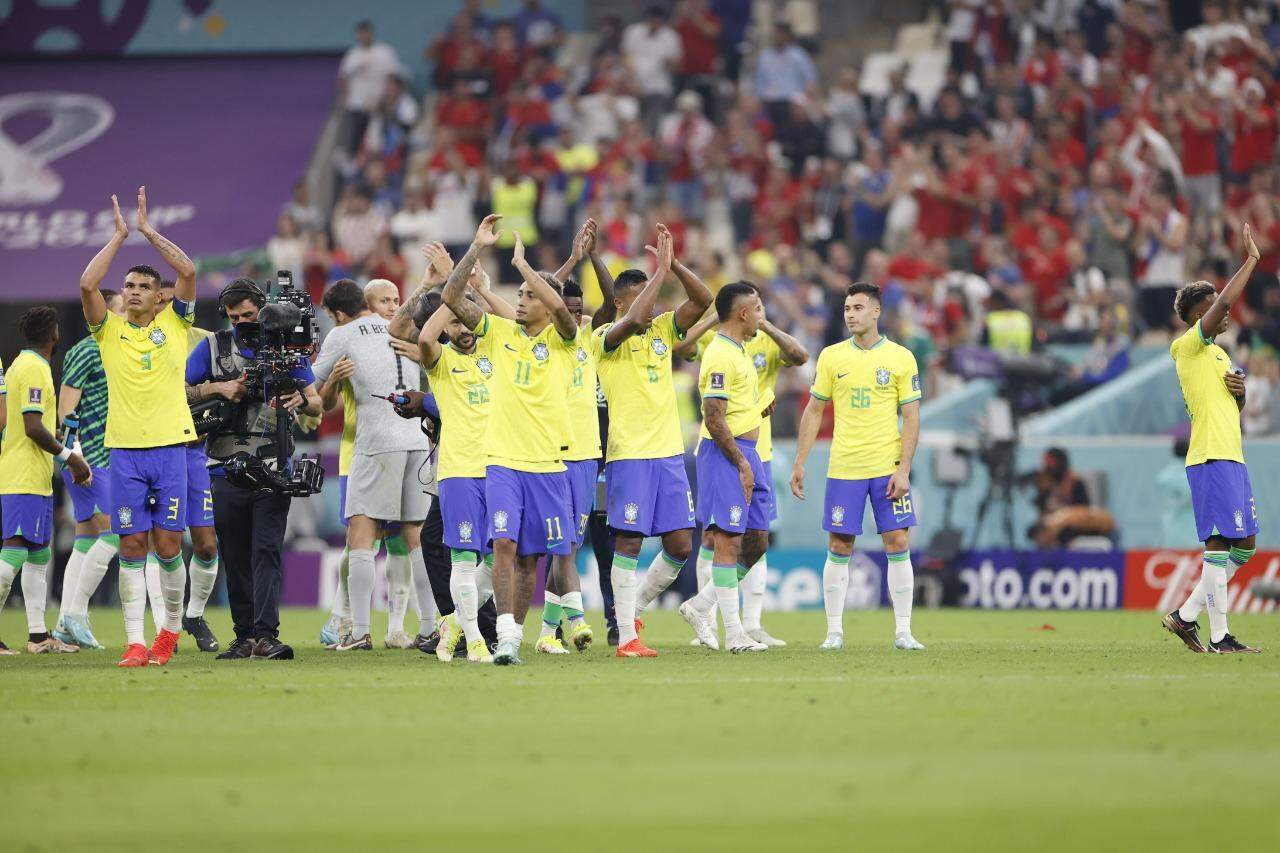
(65, 454)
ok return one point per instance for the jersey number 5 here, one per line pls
(146, 361)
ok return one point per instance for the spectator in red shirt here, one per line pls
(1255, 127)
(1046, 266)
(507, 59)
(465, 114)
(699, 32)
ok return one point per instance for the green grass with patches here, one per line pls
(1102, 733)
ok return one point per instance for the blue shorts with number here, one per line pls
(148, 489)
(847, 499)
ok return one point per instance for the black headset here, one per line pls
(244, 288)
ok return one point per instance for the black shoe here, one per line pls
(428, 644)
(613, 635)
(461, 647)
(241, 648)
(1187, 632)
(1229, 645)
(199, 629)
(270, 648)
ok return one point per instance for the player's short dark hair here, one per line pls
(572, 290)
(869, 289)
(1190, 297)
(729, 295)
(346, 296)
(38, 324)
(149, 271)
(628, 279)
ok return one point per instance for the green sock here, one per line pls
(14, 557)
(552, 613)
(396, 546)
(725, 577)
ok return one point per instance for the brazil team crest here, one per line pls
(659, 346)
(630, 513)
(759, 361)
(882, 376)
(735, 514)
(500, 521)
(1239, 517)
(581, 354)
(837, 515)
(157, 337)
(464, 531)
(540, 351)
(126, 516)
(484, 365)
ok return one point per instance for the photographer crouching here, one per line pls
(246, 385)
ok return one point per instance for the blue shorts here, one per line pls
(529, 509)
(158, 473)
(199, 489)
(1222, 500)
(582, 495)
(88, 501)
(721, 503)
(773, 497)
(847, 499)
(28, 516)
(466, 524)
(648, 496)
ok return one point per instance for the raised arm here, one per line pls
(429, 338)
(439, 265)
(810, 423)
(184, 288)
(698, 295)
(575, 257)
(793, 352)
(687, 349)
(91, 301)
(1222, 303)
(455, 289)
(546, 294)
(608, 311)
(642, 308)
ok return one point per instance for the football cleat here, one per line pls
(1187, 632)
(200, 632)
(833, 643)
(478, 652)
(1228, 645)
(742, 643)
(507, 654)
(81, 633)
(165, 644)
(349, 643)
(760, 635)
(6, 651)
(908, 643)
(549, 645)
(635, 649)
(611, 637)
(582, 636)
(701, 626)
(447, 643)
(61, 633)
(397, 640)
(330, 634)
(134, 656)
(51, 646)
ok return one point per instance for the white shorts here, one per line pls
(388, 486)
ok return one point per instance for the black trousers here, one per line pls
(250, 527)
(602, 539)
(440, 569)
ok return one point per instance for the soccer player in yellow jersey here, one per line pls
(144, 356)
(871, 381)
(646, 488)
(528, 433)
(1221, 494)
(26, 475)
(733, 498)
(770, 349)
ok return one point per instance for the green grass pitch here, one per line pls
(1103, 733)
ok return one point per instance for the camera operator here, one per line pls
(250, 523)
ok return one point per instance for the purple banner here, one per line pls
(217, 142)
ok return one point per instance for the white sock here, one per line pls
(835, 586)
(341, 600)
(724, 584)
(173, 583)
(508, 630)
(462, 588)
(706, 556)
(95, 566)
(1215, 592)
(399, 580)
(154, 593)
(484, 582)
(133, 601)
(35, 591)
(7, 574)
(71, 575)
(572, 603)
(902, 584)
(662, 573)
(427, 613)
(624, 597)
(546, 630)
(202, 576)
(1194, 605)
(752, 587)
(360, 584)
(705, 600)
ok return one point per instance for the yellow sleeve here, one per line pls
(181, 321)
(716, 376)
(1190, 342)
(28, 388)
(666, 324)
(822, 381)
(108, 323)
(908, 379)
(488, 326)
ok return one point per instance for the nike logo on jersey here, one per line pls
(510, 347)
(841, 375)
(459, 370)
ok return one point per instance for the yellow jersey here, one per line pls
(145, 369)
(584, 416)
(867, 387)
(528, 426)
(347, 444)
(1215, 417)
(726, 373)
(25, 469)
(644, 420)
(766, 358)
(460, 382)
